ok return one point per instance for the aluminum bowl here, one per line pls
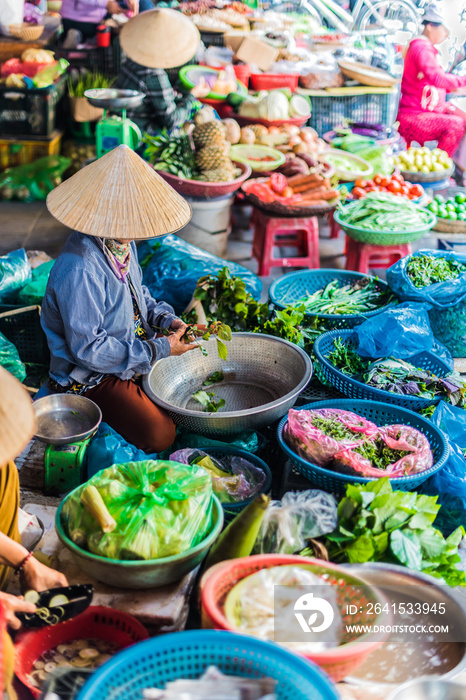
(429, 689)
(430, 590)
(63, 419)
(263, 377)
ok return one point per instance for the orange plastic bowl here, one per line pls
(338, 662)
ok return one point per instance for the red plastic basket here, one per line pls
(97, 622)
(228, 112)
(242, 72)
(338, 662)
(273, 81)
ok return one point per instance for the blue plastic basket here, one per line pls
(380, 414)
(157, 661)
(289, 288)
(354, 389)
(231, 510)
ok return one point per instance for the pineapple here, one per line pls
(212, 158)
(218, 175)
(209, 133)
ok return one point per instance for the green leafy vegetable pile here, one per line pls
(346, 359)
(207, 400)
(384, 212)
(378, 453)
(173, 154)
(424, 270)
(78, 84)
(356, 298)
(376, 523)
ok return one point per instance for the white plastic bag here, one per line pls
(11, 12)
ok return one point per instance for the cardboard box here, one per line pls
(257, 53)
(233, 40)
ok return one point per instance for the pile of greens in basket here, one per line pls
(384, 212)
(424, 270)
(398, 376)
(224, 298)
(357, 298)
(376, 523)
(79, 82)
(172, 153)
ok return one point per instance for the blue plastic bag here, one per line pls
(400, 332)
(15, 270)
(172, 268)
(447, 300)
(10, 359)
(108, 448)
(450, 482)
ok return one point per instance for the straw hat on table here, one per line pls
(160, 39)
(119, 196)
(17, 419)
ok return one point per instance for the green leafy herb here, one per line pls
(78, 84)
(376, 523)
(346, 359)
(214, 378)
(207, 399)
(424, 270)
(334, 428)
(378, 452)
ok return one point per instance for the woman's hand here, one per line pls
(177, 324)
(177, 345)
(12, 604)
(40, 577)
(113, 8)
(133, 6)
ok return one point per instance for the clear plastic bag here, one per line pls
(400, 332)
(159, 509)
(10, 359)
(234, 479)
(15, 270)
(172, 268)
(289, 524)
(314, 445)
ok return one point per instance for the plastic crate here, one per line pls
(273, 81)
(329, 111)
(31, 111)
(14, 152)
(106, 60)
(212, 39)
(380, 414)
(22, 328)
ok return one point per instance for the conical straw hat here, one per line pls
(119, 196)
(17, 419)
(160, 39)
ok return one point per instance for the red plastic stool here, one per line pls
(334, 228)
(271, 232)
(362, 256)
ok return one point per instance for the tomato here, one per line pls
(405, 190)
(394, 187)
(385, 181)
(358, 192)
(417, 190)
(398, 178)
(371, 188)
(378, 180)
(361, 183)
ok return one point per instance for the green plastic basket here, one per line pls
(385, 237)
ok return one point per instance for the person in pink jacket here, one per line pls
(85, 15)
(424, 115)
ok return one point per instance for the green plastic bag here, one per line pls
(34, 181)
(160, 509)
(10, 360)
(34, 290)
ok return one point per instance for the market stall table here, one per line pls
(13, 48)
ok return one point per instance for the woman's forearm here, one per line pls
(11, 553)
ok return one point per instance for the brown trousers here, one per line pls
(127, 409)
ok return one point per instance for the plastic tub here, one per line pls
(244, 153)
(210, 224)
(273, 81)
(387, 238)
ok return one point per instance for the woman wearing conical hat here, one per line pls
(17, 426)
(152, 42)
(102, 324)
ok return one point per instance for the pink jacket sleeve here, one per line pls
(425, 56)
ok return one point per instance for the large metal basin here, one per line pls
(63, 419)
(263, 377)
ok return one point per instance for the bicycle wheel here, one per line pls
(398, 19)
(301, 8)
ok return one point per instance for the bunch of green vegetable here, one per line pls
(359, 297)
(172, 153)
(424, 270)
(78, 84)
(376, 523)
(378, 453)
(380, 211)
(346, 359)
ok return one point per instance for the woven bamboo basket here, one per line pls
(25, 31)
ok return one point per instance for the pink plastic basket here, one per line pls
(273, 81)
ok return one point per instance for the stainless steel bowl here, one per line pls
(63, 419)
(111, 98)
(263, 377)
(429, 689)
(429, 590)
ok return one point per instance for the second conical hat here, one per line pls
(119, 196)
(160, 38)
(17, 420)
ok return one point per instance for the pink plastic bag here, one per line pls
(313, 445)
(397, 437)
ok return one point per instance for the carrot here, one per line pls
(309, 186)
(301, 179)
(326, 195)
(315, 203)
(314, 192)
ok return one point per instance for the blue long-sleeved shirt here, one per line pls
(87, 316)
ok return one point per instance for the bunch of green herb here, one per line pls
(213, 378)
(207, 399)
(357, 298)
(172, 153)
(376, 523)
(78, 84)
(424, 270)
(378, 453)
(346, 359)
(334, 428)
